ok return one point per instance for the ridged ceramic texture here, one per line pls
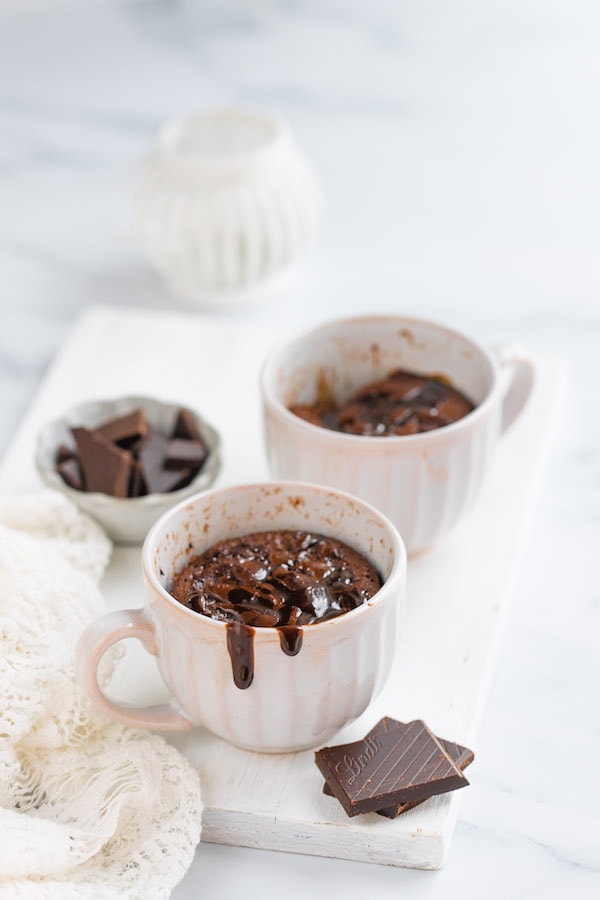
(425, 482)
(424, 494)
(293, 702)
(226, 203)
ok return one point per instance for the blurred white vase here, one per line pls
(226, 204)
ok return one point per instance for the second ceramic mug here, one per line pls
(293, 702)
(423, 482)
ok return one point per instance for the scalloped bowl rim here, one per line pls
(97, 500)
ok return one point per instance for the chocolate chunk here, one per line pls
(126, 457)
(181, 452)
(461, 756)
(394, 764)
(126, 430)
(137, 482)
(70, 472)
(106, 468)
(401, 403)
(185, 427)
(64, 453)
(152, 455)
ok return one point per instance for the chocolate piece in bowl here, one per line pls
(127, 457)
(137, 482)
(185, 427)
(64, 453)
(70, 472)
(153, 455)
(130, 421)
(461, 756)
(184, 452)
(274, 579)
(106, 468)
(126, 430)
(394, 764)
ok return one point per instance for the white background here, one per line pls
(457, 145)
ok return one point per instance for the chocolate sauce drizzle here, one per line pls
(240, 646)
(401, 403)
(290, 639)
(274, 579)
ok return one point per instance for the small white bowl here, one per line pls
(125, 519)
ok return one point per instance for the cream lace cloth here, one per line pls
(88, 808)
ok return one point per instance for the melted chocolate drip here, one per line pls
(240, 646)
(282, 579)
(290, 639)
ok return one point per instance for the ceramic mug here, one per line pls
(423, 482)
(293, 702)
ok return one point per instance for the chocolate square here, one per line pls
(185, 427)
(158, 478)
(127, 457)
(183, 452)
(462, 758)
(396, 763)
(106, 467)
(127, 429)
(70, 472)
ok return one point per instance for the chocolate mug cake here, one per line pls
(274, 579)
(292, 703)
(424, 477)
(400, 403)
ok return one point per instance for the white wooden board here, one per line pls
(458, 592)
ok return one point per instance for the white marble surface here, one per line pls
(458, 146)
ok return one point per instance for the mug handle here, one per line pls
(93, 644)
(520, 380)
